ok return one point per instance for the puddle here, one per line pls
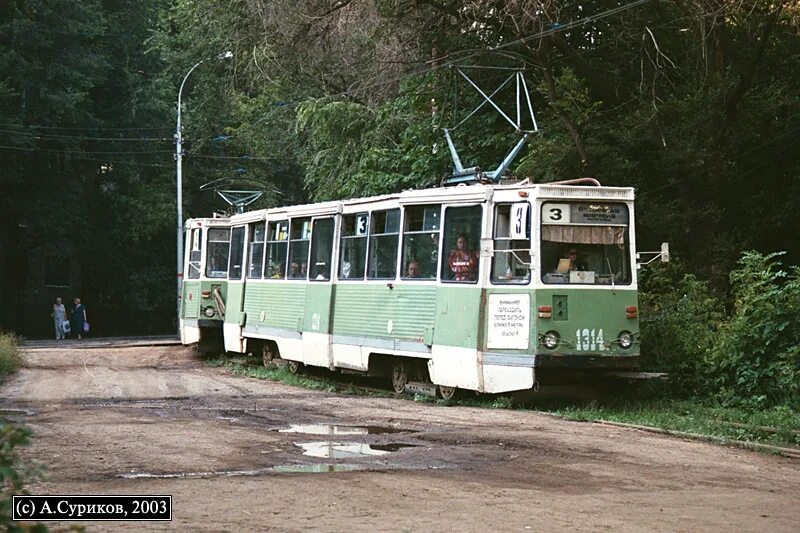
(183, 475)
(315, 469)
(393, 447)
(345, 450)
(330, 429)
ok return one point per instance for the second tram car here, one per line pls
(485, 287)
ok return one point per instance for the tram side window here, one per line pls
(195, 253)
(322, 249)
(512, 244)
(353, 260)
(277, 247)
(237, 253)
(219, 245)
(462, 231)
(421, 241)
(383, 240)
(299, 238)
(256, 256)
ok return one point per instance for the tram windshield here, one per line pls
(585, 243)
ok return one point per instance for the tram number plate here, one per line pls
(589, 340)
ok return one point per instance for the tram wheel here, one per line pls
(447, 393)
(399, 377)
(269, 352)
(294, 366)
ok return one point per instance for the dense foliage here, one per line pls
(748, 356)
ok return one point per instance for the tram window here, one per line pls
(353, 260)
(195, 253)
(421, 241)
(299, 238)
(237, 253)
(277, 244)
(462, 230)
(219, 245)
(256, 256)
(585, 243)
(321, 249)
(383, 240)
(512, 244)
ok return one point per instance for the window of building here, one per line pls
(462, 231)
(219, 245)
(383, 240)
(299, 238)
(237, 253)
(256, 255)
(353, 255)
(421, 241)
(512, 244)
(277, 247)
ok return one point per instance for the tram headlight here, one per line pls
(625, 339)
(209, 311)
(551, 340)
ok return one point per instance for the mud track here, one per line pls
(155, 420)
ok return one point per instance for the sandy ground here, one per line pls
(155, 420)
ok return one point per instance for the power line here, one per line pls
(50, 151)
(85, 128)
(82, 138)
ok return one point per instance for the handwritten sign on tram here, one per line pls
(509, 321)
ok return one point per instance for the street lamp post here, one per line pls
(179, 180)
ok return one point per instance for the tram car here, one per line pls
(484, 287)
(204, 287)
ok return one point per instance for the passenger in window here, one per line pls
(279, 271)
(463, 262)
(412, 270)
(294, 271)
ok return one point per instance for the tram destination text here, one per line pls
(92, 508)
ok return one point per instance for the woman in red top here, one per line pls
(463, 263)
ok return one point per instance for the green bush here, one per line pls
(680, 319)
(10, 356)
(755, 361)
(14, 475)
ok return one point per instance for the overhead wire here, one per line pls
(83, 138)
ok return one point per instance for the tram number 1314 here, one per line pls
(587, 340)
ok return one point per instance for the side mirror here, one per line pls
(663, 254)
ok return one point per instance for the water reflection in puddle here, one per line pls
(330, 429)
(344, 450)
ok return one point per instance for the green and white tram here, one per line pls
(204, 288)
(490, 288)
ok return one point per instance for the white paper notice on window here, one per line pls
(509, 321)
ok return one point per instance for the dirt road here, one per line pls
(155, 420)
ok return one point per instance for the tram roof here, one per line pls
(458, 193)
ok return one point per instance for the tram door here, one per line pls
(234, 314)
(319, 295)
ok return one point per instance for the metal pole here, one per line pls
(179, 193)
(179, 185)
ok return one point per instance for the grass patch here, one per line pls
(311, 379)
(779, 426)
(10, 355)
